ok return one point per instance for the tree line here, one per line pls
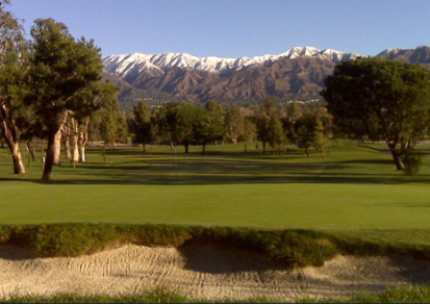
(269, 123)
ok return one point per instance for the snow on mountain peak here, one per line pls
(123, 65)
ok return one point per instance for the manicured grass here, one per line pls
(353, 188)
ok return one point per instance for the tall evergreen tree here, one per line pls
(61, 69)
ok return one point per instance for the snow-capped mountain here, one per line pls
(419, 55)
(298, 73)
(123, 65)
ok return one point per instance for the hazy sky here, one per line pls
(235, 28)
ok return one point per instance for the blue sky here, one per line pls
(235, 28)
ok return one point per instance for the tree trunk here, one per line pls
(61, 119)
(144, 147)
(264, 147)
(83, 141)
(104, 154)
(31, 150)
(50, 154)
(81, 147)
(67, 130)
(15, 150)
(75, 154)
(82, 157)
(187, 146)
(18, 163)
(57, 149)
(42, 151)
(204, 149)
(397, 160)
(67, 146)
(30, 154)
(11, 135)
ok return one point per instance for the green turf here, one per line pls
(352, 188)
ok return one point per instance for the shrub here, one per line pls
(412, 162)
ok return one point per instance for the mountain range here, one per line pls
(298, 73)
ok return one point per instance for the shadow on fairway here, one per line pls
(211, 179)
(231, 167)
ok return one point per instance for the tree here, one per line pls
(142, 124)
(248, 132)
(234, 125)
(110, 120)
(13, 71)
(305, 132)
(321, 142)
(313, 129)
(187, 115)
(208, 125)
(264, 114)
(275, 134)
(202, 129)
(122, 131)
(381, 100)
(168, 121)
(155, 127)
(214, 124)
(60, 70)
(294, 112)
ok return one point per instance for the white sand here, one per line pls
(200, 272)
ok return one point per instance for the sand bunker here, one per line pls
(200, 272)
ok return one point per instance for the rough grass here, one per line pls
(410, 294)
(291, 248)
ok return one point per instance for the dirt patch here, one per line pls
(200, 272)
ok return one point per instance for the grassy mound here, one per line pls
(410, 294)
(294, 248)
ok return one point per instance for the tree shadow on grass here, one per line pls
(180, 153)
(210, 179)
(197, 170)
